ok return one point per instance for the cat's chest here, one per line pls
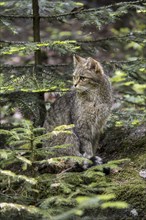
(86, 111)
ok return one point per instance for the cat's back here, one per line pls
(60, 111)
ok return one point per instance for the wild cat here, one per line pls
(87, 106)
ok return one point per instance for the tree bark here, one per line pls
(38, 60)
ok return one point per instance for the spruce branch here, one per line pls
(128, 37)
(16, 177)
(84, 11)
(56, 66)
(67, 46)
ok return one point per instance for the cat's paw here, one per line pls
(96, 160)
(88, 163)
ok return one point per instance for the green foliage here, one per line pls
(25, 140)
(10, 174)
(28, 184)
(83, 203)
(127, 41)
(9, 206)
(106, 15)
(68, 46)
(23, 153)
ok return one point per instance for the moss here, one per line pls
(93, 174)
(134, 194)
(59, 191)
(72, 178)
(140, 161)
(130, 187)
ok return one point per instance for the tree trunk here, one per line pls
(38, 60)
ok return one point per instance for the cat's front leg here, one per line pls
(86, 148)
(74, 145)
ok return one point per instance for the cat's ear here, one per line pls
(95, 65)
(78, 60)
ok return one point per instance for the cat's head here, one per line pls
(88, 73)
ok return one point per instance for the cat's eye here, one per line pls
(82, 78)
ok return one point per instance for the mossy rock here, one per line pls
(130, 187)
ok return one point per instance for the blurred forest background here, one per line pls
(37, 43)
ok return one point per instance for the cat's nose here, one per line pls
(74, 86)
(75, 83)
